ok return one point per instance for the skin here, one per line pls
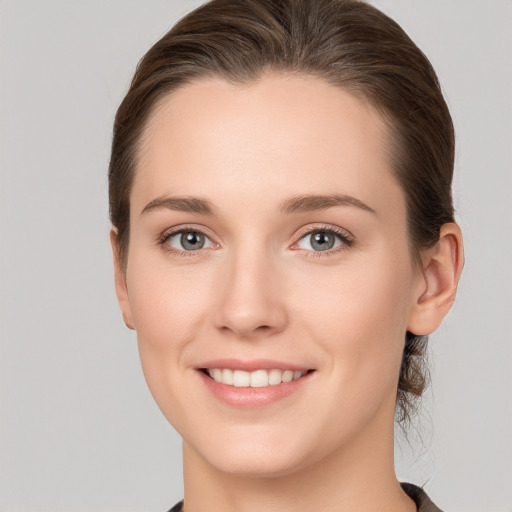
(258, 289)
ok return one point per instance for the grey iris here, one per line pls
(322, 241)
(192, 240)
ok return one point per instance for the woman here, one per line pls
(284, 241)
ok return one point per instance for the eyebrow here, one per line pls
(310, 203)
(180, 204)
(298, 204)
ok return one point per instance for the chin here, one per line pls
(253, 456)
(259, 466)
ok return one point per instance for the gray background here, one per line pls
(79, 430)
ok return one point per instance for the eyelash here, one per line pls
(346, 238)
(166, 235)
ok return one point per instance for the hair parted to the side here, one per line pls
(349, 44)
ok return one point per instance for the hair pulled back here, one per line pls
(349, 44)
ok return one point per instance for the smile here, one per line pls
(255, 379)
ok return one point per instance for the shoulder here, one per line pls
(420, 497)
(177, 507)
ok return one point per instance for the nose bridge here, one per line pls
(250, 301)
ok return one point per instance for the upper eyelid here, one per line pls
(167, 233)
(306, 230)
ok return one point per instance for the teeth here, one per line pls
(241, 379)
(256, 379)
(274, 377)
(259, 379)
(287, 376)
(227, 376)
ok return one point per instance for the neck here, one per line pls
(357, 477)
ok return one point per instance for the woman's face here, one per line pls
(268, 242)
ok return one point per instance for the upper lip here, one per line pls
(252, 365)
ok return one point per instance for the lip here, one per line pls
(248, 397)
(252, 365)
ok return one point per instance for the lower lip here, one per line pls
(253, 398)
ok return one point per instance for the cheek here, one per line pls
(167, 303)
(360, 328)
(169, 307)
(358, 314)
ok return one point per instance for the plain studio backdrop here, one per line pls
(79, 429)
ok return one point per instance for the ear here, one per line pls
(120, 281)
(437, 286)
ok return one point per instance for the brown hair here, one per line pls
(345, 42)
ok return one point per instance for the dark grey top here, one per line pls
(419, 496)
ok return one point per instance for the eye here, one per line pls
(188, 240)
(322, 240)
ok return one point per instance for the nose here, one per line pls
(251, 301)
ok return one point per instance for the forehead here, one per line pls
(288, 133)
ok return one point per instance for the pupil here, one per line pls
(192, 240)
(322, 241)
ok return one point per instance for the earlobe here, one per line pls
(442, 267)
(120, 281)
